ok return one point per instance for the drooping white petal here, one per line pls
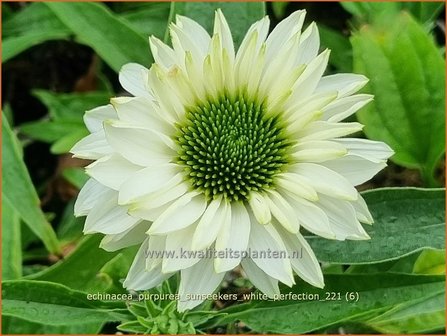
(192, 207)
(199, 279)
(179, 243)
(138, 277)
(260, 279)
(355, 169)
(297, 185)
(342, 218)
(107, 217)
(210, 223)
(155, 252)
(260, 208)
(91, 193)
(311, 217)
(146, 181)
(141, 146)
(154, 204)
(94, 118)
(362, 211)
(344, 84)
(302, 258)
(133, 78)
(344, 107)
(374, 151)
(112, 170)
(264, 238)
(282, 211)
(325, 180)
(132, 236)
(233, 236)
(92, 147)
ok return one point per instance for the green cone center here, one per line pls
(230, 147)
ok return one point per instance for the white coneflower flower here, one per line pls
(229, 151)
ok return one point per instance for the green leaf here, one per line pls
(14, 325)
(54, 304)
(71, 106)
(49, 131)
(375, 292)
(115, 41)
(424, 12)
(430, 262)
(149, 19)
(406, 72)
(18, 190)
(31, 26)
(11, 242)
(75, 176)
(341, 50)
(240, 15)
(83, 268)
(279, 8)
(406, 220)
(64, 144)
(418, 317)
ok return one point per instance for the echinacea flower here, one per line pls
(228, 151)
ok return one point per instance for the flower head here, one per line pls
(231, 152)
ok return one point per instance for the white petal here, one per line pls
(308, 81)
(264, 238)
(94, 118)
(344, 84)
(374, 151)
(343, 219)
(141, 112)
(344, 107)
(140, 146)
(260, 279)
(138, 277)
(362, 211)
(302, 258)
(318, 151)
(314, 103)
(282, 32)
(91, 193)
(92, 147)
(198, 280)
(154, 204)
(326, 181)
(282, 211)
(162, 53)
(260, 208)
(355, 169)
(233, 236)
(297, 185)
(133, 78)
(108, 217)
(146, 181)
(180, 242)
(155, 252)
(311, 217)
(309, 45)
(221, 27)
(132, 236)
(323, 130)
(112, 170)
(210, 223)
(180, 214)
